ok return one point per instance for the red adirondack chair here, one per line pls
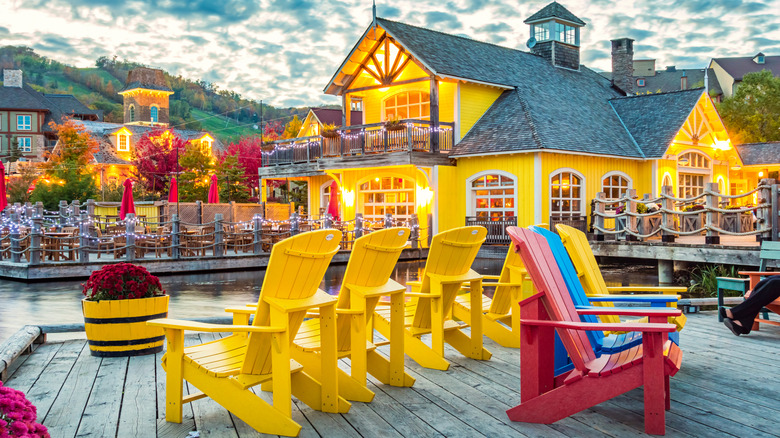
(546, 398)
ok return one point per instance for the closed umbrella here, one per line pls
(3, 194)
(333, 203)
(213, 191)
(128, 205)
(173, 192)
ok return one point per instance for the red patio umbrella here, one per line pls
(213, 191)
(173, 191)
(333, 203)
(3, 194)
(128, 205)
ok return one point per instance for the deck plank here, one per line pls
(101, 415)
(139, 405)
(48, 386)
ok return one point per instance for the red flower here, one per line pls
(122, 281)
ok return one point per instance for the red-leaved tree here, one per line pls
(248, 152)
(155, 158)
(273, 131)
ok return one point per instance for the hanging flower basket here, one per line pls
(119, 299)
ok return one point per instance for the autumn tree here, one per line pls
(752, 114)
(67, 174)
(248, 152)
(292, 128)
(198, 166)
(273, 131)
(155, 158)
(19, 188)
(232, 182)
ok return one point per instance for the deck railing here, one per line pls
(710, 213)
(412, 135)
(496, 227)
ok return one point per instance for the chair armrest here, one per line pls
(422, 295)
(597, 326)
(182, 324)
(241, 310)
(348, 312)
(414, 283)
(661, 289)
(491, 277)
(319, 299)
(634, 298)
(624, 311)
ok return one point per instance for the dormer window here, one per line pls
(123, 142)
(640, 82)
(541, 31)
(759, 59)
(154, 111)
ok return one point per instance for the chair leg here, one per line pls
(654, 384)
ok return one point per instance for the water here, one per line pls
(207, 295)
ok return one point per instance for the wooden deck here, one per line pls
(727, 386)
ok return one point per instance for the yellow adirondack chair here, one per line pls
(500, 314)
(588, 271)
(227, 368)
(429, 311)
(366, 280)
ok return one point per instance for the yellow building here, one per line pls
(489, 133)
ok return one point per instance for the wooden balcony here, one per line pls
(372, 145)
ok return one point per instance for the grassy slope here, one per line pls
(227, 132)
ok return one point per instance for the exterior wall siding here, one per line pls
(474, 101)
(373, 100)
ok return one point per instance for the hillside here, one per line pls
(194, 104)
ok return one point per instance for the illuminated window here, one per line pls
(154, 111)
(694, 160)
(493, 196)
(691, 185)
(388, 194)
(542, 31)
(122, 142)
(24, 144)
(615, 185)
(640, 82)
(24, 123)
(408, 105)
(356, 105)
(566, 192)
(315, 129)
(132, 113)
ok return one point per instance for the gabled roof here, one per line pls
(71, 106)
(668, 81)
(22, 98)
(333, 116)
(759, 153)
(739, 67)
(554, 10)
(103, 130)
(655, 119)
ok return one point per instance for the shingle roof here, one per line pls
(103, 130)
(554, 10)
(21, 98)
(668, 81)
(329, 115)
(759, 153)
(739, 67)
(70, 105)
(654, 119)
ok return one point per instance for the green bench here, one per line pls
(769, 251)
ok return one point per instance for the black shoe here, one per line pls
(722, 312)
(737, 330)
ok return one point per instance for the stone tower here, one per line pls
(555, 35)
(623, 64)
(146, 97)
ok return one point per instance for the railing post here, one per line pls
(358, 225)
(63, 214)
(294, 229)
(388, 220)
(712, 200)
(91, 207)
(14, 235)
(631, 219)
(363, 141)
(130, 237)
(35, 241)
(667, 218)
(385, 137)
(409, 137)
(84, 237)
(175, 237)
(430, 229)
(75, 209)
(218, 237)
(774, 211)
(257, 234)
(598, 218)
(341, 142)
(328, 221)
(764, 215)
(39, 209)
(414, 235)
(28, 210)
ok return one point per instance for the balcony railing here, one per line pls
(413, 136)
(496, 227)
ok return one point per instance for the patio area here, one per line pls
(727, 386)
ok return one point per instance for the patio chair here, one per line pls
(226, 369)
(546, 398)
(588, 271)
(429, 311)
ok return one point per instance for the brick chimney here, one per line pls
(623, 64)
(12, 78)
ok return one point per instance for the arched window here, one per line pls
(614, 184)
(408, 105)
(566, 192)
(132, 113)
(493, 195)
(154, 111)
(694, 160)
(695, 171)
(387, 194)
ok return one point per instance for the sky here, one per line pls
(285, 52)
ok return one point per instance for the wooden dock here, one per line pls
(728, 386)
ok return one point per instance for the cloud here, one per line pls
(4, 31)
(442, 20)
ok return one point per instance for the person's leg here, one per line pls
(766, 291)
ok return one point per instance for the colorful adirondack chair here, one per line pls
(367, 278)
(546, 398)
(588, 271)
(612, 343)
(227, 368)
(429, 311)
(501, 313)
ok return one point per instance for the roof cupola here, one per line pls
(146, 97)
(555, 35)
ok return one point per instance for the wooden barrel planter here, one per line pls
(118, 327)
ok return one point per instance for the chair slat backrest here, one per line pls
(573, 284)
(576, 243)
(451, 253)
(547, 278)
(295, 270)
(769, 251)
(513, 271)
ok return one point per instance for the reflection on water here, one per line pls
(204, 295)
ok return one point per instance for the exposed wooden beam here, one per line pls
(400, 70)
(375, 87)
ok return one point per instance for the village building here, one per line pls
(494, 133)
(317, 118)
(649, 80)
(25, 115)
(730, 71)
